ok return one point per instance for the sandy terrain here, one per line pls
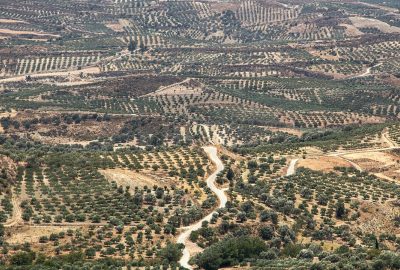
(362, 22)
(11, 21)
(4, 31)
(125, 177)
(372, 159)
(376, 218)
(89, 70)
(292, 131)
(351, 30)
(116, 27)
(31, 234)
(222, 6)
(58, 140)
(325, 164)
(186, 87)
(385, 8)
(292, 167)
(16, 217)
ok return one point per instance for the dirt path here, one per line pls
(386, 139)
(367, 72)
(183, 238)
(292, 167)
(16, 217)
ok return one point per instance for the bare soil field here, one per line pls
(186, 87)
(88, 70)
(31, 234)
(351, 30)
(325, 164)
(129, 178)
(11, 21)
(116, 27)
(376, 217)
(373, 160)
(11, 32)
(361, 22)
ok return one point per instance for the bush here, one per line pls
(23, 258)
(172, 252)
(229, 252)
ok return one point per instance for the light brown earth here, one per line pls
(31, 234)
(325, 164)
(351, 30)
(373, 160)
(292, 131)
(116, 27)
(88, 70)
(4, 31)
(186, 87)
(125, 177)
(11, 21)
(362, 22)
(376, 218)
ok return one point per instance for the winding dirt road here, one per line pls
(183, 238)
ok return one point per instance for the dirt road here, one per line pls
(16, 217)
(292, 167)
(367, 72)
(183, 238)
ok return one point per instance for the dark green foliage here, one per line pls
(229, 252)
(172, 252)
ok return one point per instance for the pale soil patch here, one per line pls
(377, 217)
(18, 32)
(74, 83)
(312, 151)
(125, 177)
(385, 137)
(116, 27)
(186, 87)
(11, 21)
(324, 55)
(362, 22)
(182, 131)
(299, 28)
(8, 114)
(16, 217)
(392, 80)
(370, 160)
(325, 164)
(386, 8)
(383, 165)
(10, 166)
(31, 234)
(351, 30)
(222, 6)
(58, 140)
(88, 70)
(292, 131)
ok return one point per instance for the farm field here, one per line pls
(199, 134)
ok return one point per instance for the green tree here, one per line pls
(171, 252)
